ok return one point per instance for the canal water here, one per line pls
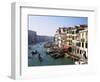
(43, 59)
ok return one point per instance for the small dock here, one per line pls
(73, 57)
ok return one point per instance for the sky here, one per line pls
(47, 25)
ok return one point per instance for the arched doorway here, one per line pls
(70, 49)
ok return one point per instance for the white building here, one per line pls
(60, 37)
(82, 45)
(76, 38)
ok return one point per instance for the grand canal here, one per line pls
(43, 59)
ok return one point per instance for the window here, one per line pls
(86, 44)
(86, 35)
(78, 44)
(59, 31)
(82, 35)
(72, 32)
(82, 45)
(80, 51)
(77, 50)
(64, 29)
(73, 37)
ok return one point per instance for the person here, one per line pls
(40, 58)
(34, 52)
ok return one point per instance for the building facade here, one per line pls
(75, 37)
(60, 37)
(82, 45)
